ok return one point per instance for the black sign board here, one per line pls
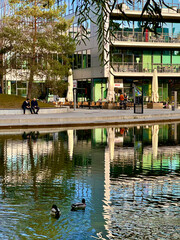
(138, 99)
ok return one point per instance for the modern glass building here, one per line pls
(134, 54)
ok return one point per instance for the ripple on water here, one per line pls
(130, 193)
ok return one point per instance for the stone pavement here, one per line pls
(89, 117)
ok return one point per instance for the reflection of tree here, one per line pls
(2, 166)
(33, 135)
(42, 167)
(33, 168)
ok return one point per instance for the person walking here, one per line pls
(121, 100)
(26, 105)
(34, 106)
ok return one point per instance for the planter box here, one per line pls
(155, 105)
(108, 106)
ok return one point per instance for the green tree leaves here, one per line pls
(37, 35)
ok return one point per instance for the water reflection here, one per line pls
(128, 176)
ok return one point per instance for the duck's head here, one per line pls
(54, 206)
(83, 200)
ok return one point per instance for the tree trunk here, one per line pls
(31, 78)
(1, 73)
(30, 84)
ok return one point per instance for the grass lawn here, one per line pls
(13, 101)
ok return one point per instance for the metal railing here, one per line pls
(129, 36)
(138, 6)
(139, 67)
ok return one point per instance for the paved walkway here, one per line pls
(89, 117)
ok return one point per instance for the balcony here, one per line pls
(138, 6)
(129, 67)
(146, 37)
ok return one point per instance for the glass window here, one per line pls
(137, 56)
(75, 61)
(117, 25)
(159, 30)
(128, 58)
(84, 60)
(21, 92)
(89, 58)
(117, 57)
(21, 84)
(175, 57)
(127, 26)
(157, 57)
(75, 30)
(88, 27)
(176, 29)
(137, 27)
(167, 29)
(79, 60)
(166, 57)
(13, 87)
(147, 59)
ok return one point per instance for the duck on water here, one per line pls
(55, 212)
(78, 206)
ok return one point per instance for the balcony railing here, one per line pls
(139, 67)
(144, 37)
(138, 6)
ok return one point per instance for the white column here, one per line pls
(110, 94)
(70, 87)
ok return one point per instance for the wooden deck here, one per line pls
(100, 105)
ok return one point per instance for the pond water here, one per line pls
(129, 178)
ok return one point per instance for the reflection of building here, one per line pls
(117, 184)
(17, 158)
(136, 187)
(140, 156)
(70, 143)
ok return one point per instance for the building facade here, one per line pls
(134, 54)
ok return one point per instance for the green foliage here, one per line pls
(59, 87)
(38, 39)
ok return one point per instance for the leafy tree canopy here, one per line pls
(37, 35)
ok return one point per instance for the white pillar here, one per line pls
(110, 94)
(70, 87)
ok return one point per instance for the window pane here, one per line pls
(166, 58)
(176, 57)
(84, 59)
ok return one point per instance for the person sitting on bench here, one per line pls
(26, 105)
(34, 105)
